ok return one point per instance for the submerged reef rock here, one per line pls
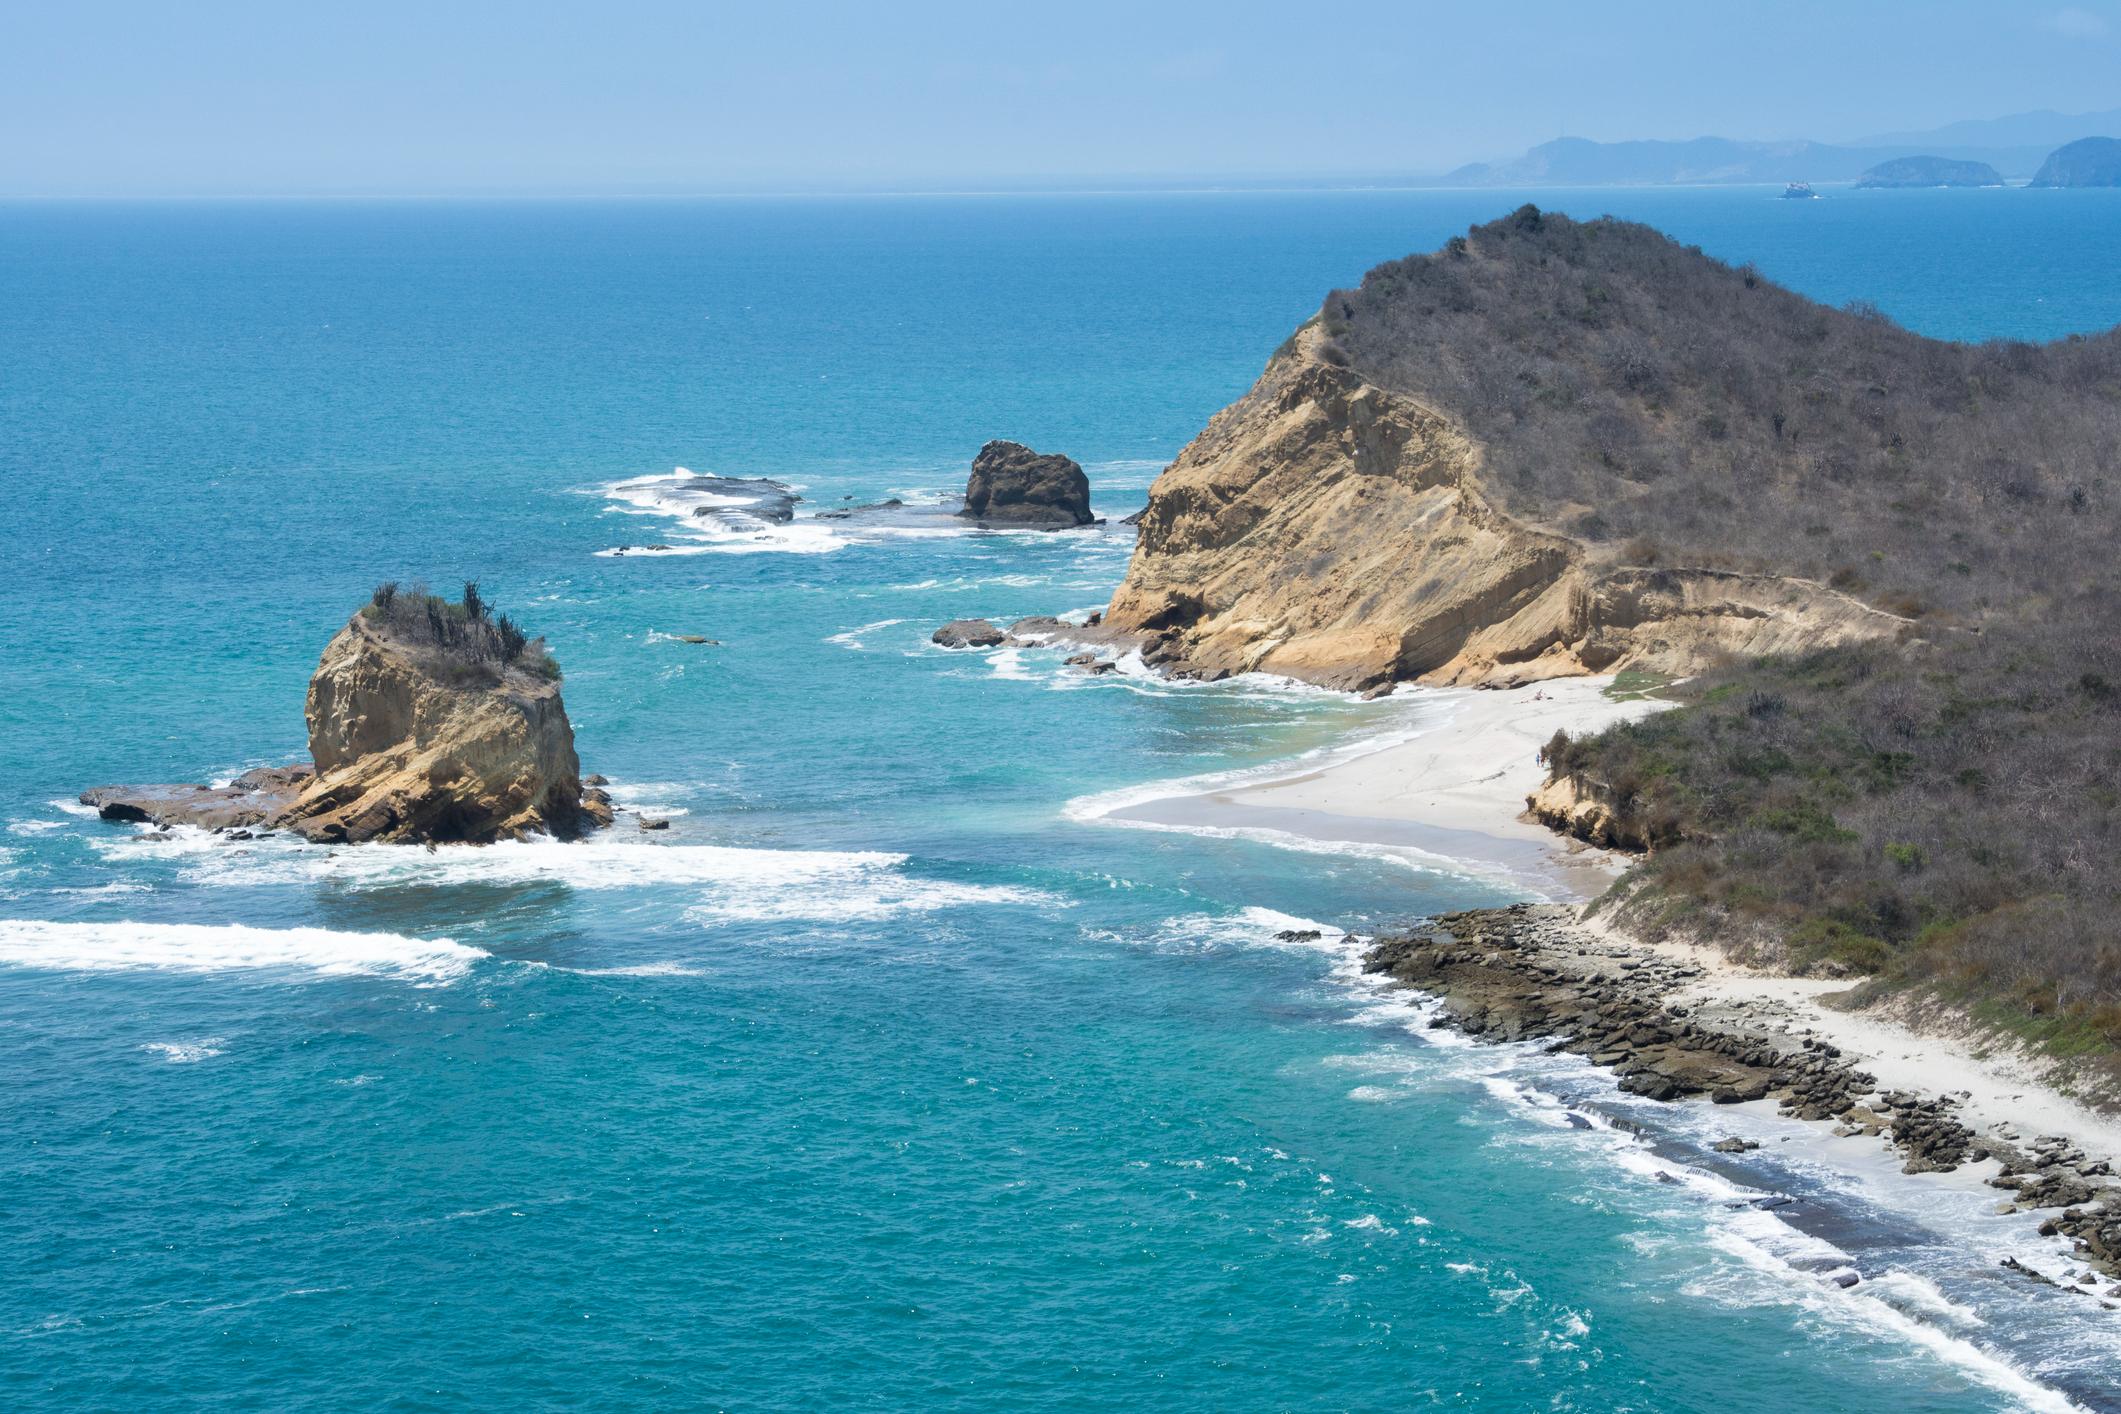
(1011, 485)
(429, 722)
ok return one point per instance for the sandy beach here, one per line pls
(1455, 790)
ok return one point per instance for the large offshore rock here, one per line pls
(1011, 485)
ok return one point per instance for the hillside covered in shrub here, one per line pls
(1941, 809)
(1641, 396)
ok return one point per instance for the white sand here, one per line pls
(1473, 772)
(1454, 793)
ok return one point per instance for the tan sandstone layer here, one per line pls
(1326, 529)
(411, 744)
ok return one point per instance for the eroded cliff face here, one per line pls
(1326, 529)
(412, 745)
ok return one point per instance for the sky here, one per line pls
(145, 97)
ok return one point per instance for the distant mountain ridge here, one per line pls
(2015, 145)
(1579, 161)
(2045, 129)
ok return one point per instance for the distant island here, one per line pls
(2087, 162)
(1930, 172)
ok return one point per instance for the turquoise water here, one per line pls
(884, 1080)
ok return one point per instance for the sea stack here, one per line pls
(429, 722)
(1013, 486)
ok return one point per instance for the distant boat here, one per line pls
(1799, 191)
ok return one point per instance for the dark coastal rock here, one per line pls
(1039, 631)
(848, 512)
(1011, 485)
(250, 799)
(969, 633)
(1527, 973)
(649, 822)
(759, 498)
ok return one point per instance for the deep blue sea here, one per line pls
(883, 1080)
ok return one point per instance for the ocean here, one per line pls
(892, 1076)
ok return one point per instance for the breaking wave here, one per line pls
(198, 947)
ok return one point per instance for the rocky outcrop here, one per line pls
(1576, 806)
(1011, 485)
(250, 800)
(411, 741)
(1329, 530)
(968, 633)
(409, 745)
(2087, 162)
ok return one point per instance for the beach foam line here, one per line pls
(1770, 1261)
(1763, 1258)
(1433, 707)
(199, 947)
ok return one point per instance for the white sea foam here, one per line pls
(1421, 715)
(857, 896)
(738, 883)
(714, 515)
(717, 515)
(1760, 1257)
(194, 947)
(74, 808)
(186, 1052)
(852, 638)
(641, 969)
(35, 827)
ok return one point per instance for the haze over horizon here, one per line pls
(119, 98)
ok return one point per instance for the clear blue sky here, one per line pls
(131, 97)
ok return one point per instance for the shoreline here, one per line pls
(1447, 792)
(1452, 792)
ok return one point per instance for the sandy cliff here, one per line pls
(411, 746)
(1330, 530)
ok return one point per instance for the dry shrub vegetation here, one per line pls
(468, 633)
(1941, 810)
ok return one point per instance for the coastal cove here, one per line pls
(979, 1033)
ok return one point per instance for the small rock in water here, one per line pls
(653, 823)
(697, 638)
(968, 633)
(1735, 1145)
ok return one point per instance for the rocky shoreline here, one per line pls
(1534, 972)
